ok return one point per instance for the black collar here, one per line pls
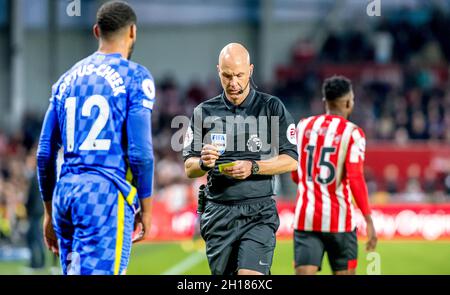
(247, 101)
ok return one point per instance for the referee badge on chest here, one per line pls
(254, 144)
(219, 140)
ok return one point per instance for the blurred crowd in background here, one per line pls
(413, 104)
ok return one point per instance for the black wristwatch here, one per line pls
(203, 166)
(255, 167)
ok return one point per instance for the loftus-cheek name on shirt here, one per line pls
(110, 74)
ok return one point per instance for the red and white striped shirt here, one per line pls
(331, 156)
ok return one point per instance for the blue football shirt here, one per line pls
(100, 112)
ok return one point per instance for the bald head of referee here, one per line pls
(235, 71)
(115, 28)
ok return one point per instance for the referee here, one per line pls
(253, 134)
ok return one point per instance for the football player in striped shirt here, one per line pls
(100, 113)
(331, 156)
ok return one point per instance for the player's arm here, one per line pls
(140, 150)
(294, 174)
(140, 146)
(354, 166)
(49, 144)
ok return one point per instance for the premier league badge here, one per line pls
(219, 140)
(254, 144)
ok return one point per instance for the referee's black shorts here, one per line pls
(310, 247)
(240, 235)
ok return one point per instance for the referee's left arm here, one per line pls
(277, 165)
(286, 161)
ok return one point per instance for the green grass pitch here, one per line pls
(396, 257)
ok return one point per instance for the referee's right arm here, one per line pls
(198, 158)
(197, 166)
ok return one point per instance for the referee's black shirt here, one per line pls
(259, 128)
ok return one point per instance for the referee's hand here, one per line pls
(241, 170)
(209, 155)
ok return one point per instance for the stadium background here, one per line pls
(399, 64)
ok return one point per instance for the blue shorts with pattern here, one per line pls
(94, 225)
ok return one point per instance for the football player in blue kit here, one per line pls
(100, 114)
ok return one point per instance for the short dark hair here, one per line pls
(114, 16)
(336, 87)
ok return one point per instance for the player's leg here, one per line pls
(124, 234)
(345, 272)
(103, 227)
(305, 270)
(64, 231)
(258, 224)
(217, 231)
(342, 249)
(308, 252)
(62, 224)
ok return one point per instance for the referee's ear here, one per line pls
(96, 31)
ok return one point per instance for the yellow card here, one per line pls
(226, 165)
